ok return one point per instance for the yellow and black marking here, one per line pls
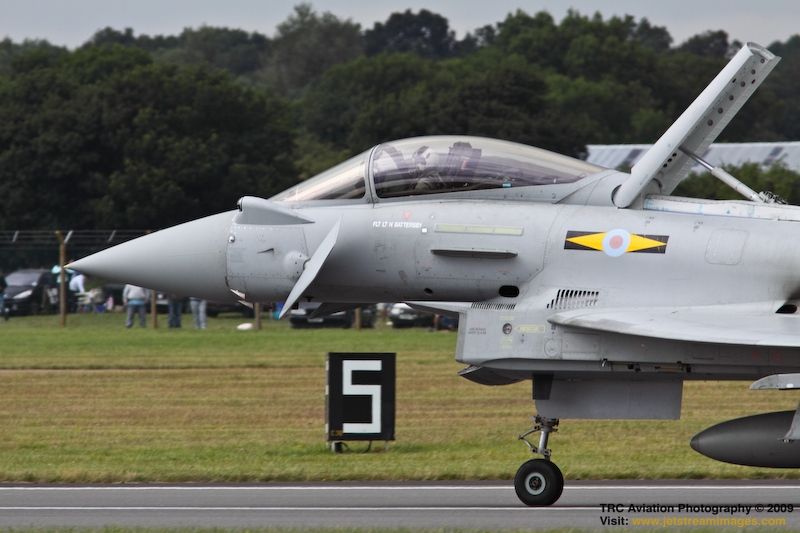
(631, 243)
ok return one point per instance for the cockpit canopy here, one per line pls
(439, 165)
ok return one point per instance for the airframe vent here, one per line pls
(574, 299)
(497, 307)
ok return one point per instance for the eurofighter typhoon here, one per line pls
(598, 285)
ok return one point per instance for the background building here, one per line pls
(766, 154)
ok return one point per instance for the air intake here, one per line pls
(496, 307)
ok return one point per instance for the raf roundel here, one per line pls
(616, 242)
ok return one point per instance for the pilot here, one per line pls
(429, 179)
(445, 173)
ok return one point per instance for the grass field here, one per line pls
(98, 403)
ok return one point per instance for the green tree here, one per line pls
(781, 118)
(369, 100)
(110, 36)
(191, 142)
(478, 105)
(708, 44)
(536, 38)
(105, 137)
(425, 34)
(392, 96)
(27, 55)
(306, 45)
(656, 38)
(776, 178)
(237, 51)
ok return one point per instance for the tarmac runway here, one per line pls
(471, 505)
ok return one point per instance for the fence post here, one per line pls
(62, 278)
(257, 315)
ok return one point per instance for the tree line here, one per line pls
(140, 131)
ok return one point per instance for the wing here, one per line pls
(699, 125)
(748, 325)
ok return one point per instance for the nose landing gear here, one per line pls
(539, 482)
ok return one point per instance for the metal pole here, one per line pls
(726, 178)
(62, 278)
(257, 314)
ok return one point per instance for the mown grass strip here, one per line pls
(98, 403)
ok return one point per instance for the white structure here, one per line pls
(624, 156)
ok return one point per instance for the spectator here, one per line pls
(56, 271)
(66, 274)
(198, 312)
(174, 310)
(77, 283)
(97, 300)
(77, 289)
(135, 298)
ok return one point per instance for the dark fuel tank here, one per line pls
(751, 441)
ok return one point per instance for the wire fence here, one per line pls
(18, 247)
(76, 240)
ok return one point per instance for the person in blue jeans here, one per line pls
(198, 312)
(174, 310)
(135, 299)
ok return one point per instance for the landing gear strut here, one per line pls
(539, 482)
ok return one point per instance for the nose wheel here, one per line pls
(539, 482)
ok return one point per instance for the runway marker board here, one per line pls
(360, 396)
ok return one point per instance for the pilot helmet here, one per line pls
(423, 158)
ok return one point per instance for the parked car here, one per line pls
(300, 317)
(28, 292)
(447, 322)
(404, 316)
(216, 308)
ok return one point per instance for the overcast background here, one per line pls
(71, 23)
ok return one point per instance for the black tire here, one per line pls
(538, 483)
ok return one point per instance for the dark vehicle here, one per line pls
(404, 316)
(449, 323)
(216, 308)
(28, 292)
(300, 317)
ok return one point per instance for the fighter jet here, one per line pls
(595, 284)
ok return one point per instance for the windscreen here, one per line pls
(345, 181)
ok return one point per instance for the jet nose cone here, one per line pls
(188, 259)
